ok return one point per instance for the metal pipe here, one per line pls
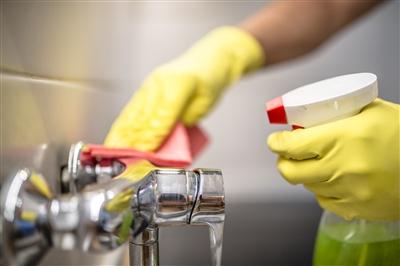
(143, 249)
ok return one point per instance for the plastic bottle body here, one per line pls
(358, 242)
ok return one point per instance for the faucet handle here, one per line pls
(84, 170)
(210, 203)
(25, 234)
(34, 219)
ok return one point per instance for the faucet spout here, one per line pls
(178, 197)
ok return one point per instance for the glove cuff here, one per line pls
(222, 56)
(244, 47)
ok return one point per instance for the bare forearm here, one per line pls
(288, 29)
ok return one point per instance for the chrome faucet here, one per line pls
(101, 212)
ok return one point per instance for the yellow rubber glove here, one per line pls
(352, 165)
(185, 89)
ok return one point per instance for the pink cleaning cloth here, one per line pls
(178, 150)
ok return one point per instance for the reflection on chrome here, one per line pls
(99, 215)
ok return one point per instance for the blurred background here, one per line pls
(67, 68)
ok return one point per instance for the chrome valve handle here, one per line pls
(34, 219)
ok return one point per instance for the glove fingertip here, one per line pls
(271, 142)
(284, 167)
(337, 207)
(276, 142)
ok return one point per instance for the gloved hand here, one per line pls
(352, 165)
(185, 89)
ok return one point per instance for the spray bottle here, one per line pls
(340, 242)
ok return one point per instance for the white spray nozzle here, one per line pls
(324, 101)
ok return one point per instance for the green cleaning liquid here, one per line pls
(357, 243)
